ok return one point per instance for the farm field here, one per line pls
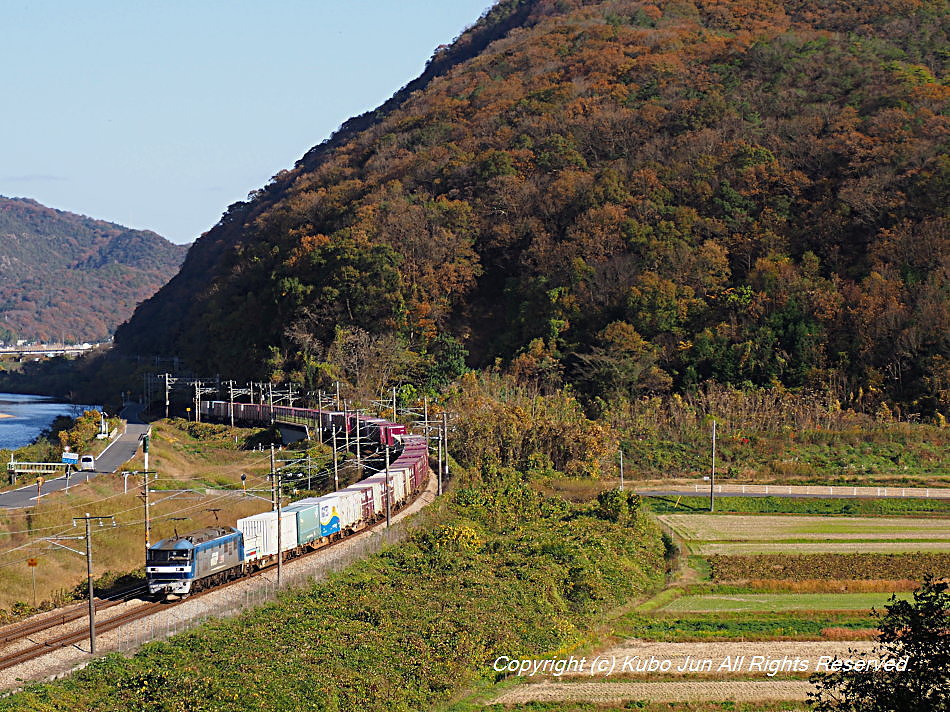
(765, 583)
(737, 534)
(640, 690)
(686, 627)
(738, 691)
(825, 547)
(733, 528)
(831, 506)
(798, 568)
(779, 602)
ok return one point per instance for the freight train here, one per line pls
(181, 565)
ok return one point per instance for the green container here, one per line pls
(308, 521)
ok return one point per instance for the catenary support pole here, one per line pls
(388, 488)
(445, 438)
(92, 605)
(621, 468)
(336, 466)
(712, 474)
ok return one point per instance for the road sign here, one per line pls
(70, 458)
(32, 562)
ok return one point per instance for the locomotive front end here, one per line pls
(169, 567)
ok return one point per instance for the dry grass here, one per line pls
(181, 462)
(575, 490)
(737, 691)
(826, 547)
(833, 585)
(731, 528)
(850, 633)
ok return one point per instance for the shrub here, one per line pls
(617, 505)
(916, 630)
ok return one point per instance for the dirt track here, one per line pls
(739, 691)
(692, 684)
(718, 651)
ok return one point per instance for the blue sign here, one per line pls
(70, 458)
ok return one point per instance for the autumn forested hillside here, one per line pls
(631, 197)
(68, 276)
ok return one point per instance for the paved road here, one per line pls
(120, 451)
(798, 492)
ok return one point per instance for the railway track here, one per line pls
(66, 640)
(16, 633)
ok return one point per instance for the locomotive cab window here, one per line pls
(166, 555)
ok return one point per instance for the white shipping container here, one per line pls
(401, 484)
(346, 504)
(397, 481)
(260, 534)
(379, 504)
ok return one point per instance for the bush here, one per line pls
(618, 505)
(500, 569)
(916, 630)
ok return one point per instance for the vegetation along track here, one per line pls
(147, 608)
(72, 638)
(19, 631)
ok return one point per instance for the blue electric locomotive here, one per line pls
(189, 563)
(184, 564)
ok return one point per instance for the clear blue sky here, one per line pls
(159, 114)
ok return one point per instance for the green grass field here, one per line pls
(758, 534)
(674, 626)
(841, 506)
(780, 602)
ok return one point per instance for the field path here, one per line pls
(739, 691)
(747, 659)
(718, 651)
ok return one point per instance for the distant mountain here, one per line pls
(625, 196)
(67, 275)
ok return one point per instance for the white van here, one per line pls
(87, 463)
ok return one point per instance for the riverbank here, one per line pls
(25, 417)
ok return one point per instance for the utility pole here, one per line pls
(230, 402)
(145, 447)
(445, 437)
(337, 395)
(336, 466)
(712, 477)
(439, 473)
(275, 484)
(167, 400)
(621, 468)
(320, 410)
(395, 414)
(92, 606)
(346, 427)
(148, 519)
(388, 488)
(88, 537)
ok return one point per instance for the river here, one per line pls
(24, 417)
